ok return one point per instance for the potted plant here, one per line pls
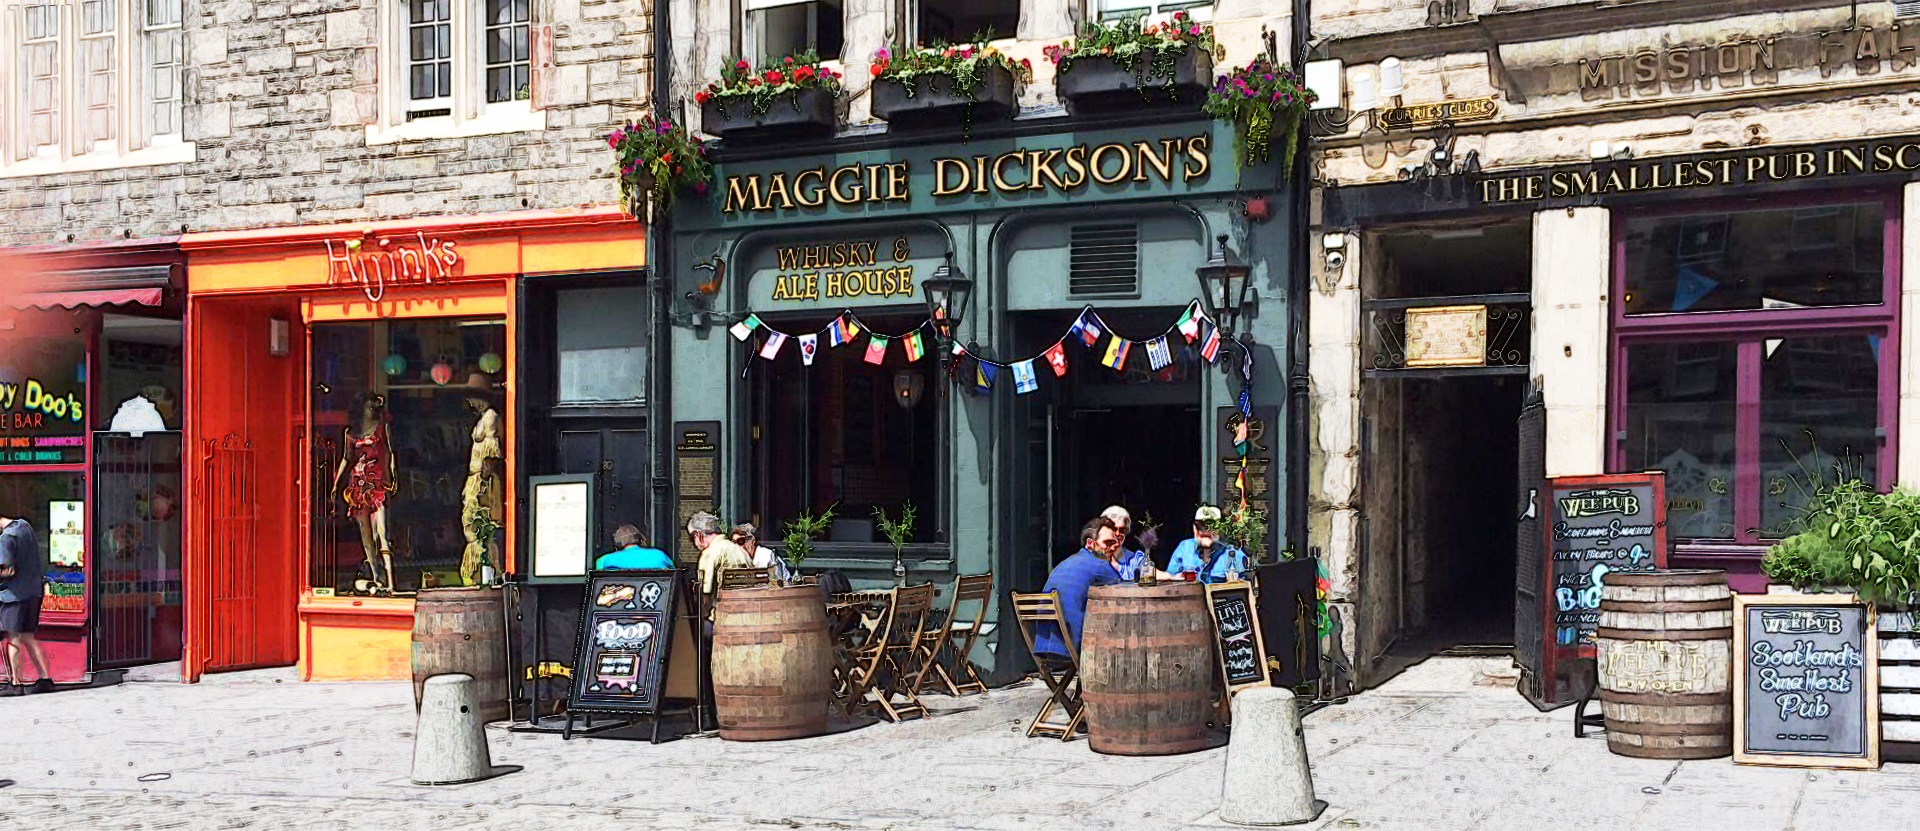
(791, 97)
(1245, 528)
(943, 85)
(658, 160)
(1266, 105)
(1125, 64)
(800, 534)
(898, 533)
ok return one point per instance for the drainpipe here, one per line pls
(660, 280)
(1297, 378)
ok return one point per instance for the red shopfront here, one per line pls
(91, 411)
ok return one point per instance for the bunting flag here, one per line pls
(1240, 426)
(744, 329)
(1057, 358)
(809, 346)
(836, 335)
(1210, 349)
(1023, 378)
(983, 375)
(775, 340)
(1089, 330)
(1117, 351)
(915, 347)
(1158, 355)
(849, 329)
(1188, 325)
(877, 350)
(953, 366)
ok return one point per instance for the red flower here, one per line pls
(774, 76)
(742, 66)
(803, 73)
(703, 97)
(789, 61)
(667, 157)
(876, 69)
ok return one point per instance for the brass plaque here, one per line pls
(1447, 336)
(1428, 115)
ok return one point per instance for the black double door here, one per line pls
(615, 450)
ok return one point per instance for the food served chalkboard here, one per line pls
(1237, 641)
(1806, 687)
(1601, 524)
(625, 627)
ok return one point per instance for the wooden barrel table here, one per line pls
(1666, 664)
(1146, 669)
(772, 663)
(462, 630)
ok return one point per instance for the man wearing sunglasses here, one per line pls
(1092, 565)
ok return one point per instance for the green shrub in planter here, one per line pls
(1850, 535)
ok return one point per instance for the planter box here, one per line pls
(807, 113)
(933, 103)
(1899, 669)
(1101, 85)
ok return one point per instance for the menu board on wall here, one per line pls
(696, 474)
(562, 520)
(43, 402)
(626, 623)
(1806, 691)
(1600, 525)
(1237, 642)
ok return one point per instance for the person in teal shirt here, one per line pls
(1214, 560)
(633, 553)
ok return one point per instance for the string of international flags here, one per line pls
(1193, 326)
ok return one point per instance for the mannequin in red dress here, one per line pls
(367, 467)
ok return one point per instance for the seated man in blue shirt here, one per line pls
(1212, 560)
(633, 553)
(1093, 565)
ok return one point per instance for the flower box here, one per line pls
(1100, 84)
(803, 113)
(932, 102)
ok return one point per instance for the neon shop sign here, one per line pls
(374, 263)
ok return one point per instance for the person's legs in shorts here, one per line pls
(18, 622)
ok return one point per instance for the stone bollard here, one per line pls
(1268, 781)
(450, 741)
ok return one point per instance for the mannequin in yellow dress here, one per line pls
(481, 498)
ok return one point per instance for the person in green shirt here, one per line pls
(633, 553)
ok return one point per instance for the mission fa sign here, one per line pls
(1061, 171)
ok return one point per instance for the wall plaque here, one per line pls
(1447, 336)
(1806, 686)
(563, 523)
(696, 474)
(1430, 115)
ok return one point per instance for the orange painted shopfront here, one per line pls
(347, 382)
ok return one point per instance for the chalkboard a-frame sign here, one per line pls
(1236, 636)
(626, 626)
(1806, 682)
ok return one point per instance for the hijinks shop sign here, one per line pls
(377, 262)
(43, 395)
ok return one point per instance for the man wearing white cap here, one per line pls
(1206, 557)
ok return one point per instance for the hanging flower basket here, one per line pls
(1267, 105)
(793, 97)
(947, 86)
(1123, 65)
(658, 161)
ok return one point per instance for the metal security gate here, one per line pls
(139, 513)
(229, 500)
(1529, 616)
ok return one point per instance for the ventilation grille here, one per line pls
(1906, 8)
(1105, 259)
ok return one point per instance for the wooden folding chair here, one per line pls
(880, 669)
(1060, 672)
(745, 578)
(955, 639)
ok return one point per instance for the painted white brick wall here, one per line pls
(1570, 301)
(1333, 365)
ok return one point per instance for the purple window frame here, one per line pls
(1749, 328)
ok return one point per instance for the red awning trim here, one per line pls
(84, 299)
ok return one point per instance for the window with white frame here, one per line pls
(456, 67)
(1109, 10)
(89, 84)
(777, 28)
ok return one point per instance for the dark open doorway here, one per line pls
(1142, 457)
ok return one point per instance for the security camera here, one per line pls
(1336, 261)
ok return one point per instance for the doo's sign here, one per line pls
(43, 396)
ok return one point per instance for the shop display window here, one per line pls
(409, 441)
(55, 505)
(1755, 360)
(849, 434)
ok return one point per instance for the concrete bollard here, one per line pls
(450, 740)
(1268, 781)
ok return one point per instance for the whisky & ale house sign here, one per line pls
(1781, 167)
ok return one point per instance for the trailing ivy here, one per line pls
(1149, 52)
(1266, 105)
(967, 64)
(759, 88)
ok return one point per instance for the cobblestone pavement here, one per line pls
(1446, 745)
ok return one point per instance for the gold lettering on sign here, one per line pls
(390, 260)
(1865, 158)
(847, 269)
(1428, 115)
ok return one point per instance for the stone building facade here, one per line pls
(1695, 214)
(299, 113)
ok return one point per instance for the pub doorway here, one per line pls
(1445, 355)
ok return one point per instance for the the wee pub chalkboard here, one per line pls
(625, 627)
(1237, 641)
(1806, 691)
(1599, 525)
